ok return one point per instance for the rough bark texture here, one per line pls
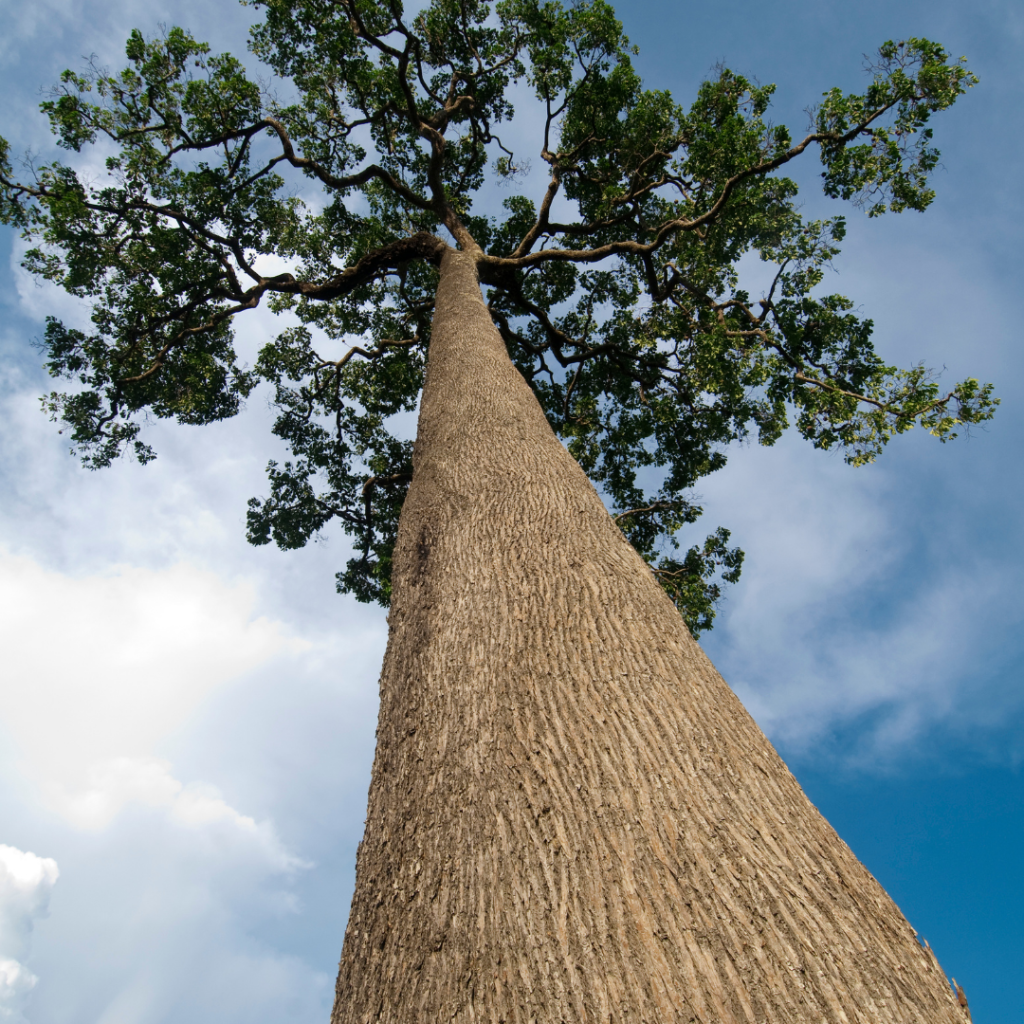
(572, 818)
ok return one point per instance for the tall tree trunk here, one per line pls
(572, 818)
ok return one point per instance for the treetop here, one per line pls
(614, 283)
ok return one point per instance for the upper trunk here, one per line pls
(572, 818)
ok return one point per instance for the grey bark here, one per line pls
(572, 818)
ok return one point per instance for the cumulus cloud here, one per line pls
(104, 671)
(26, 881)
(99, 669)
(160, 920)
(109, 785)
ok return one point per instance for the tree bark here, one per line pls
(572, 818)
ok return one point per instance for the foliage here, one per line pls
(627, 316)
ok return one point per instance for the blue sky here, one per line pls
(186, 722)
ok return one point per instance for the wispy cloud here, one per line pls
(860, 612)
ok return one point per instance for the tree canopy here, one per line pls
(617, 287)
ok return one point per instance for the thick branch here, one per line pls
(420, 246)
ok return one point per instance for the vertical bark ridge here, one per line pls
(572, 818)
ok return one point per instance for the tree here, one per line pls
(571, 815)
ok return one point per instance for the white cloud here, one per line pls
(108, 786)
(16, 982)
(26, 881)
(162, 922)
(99, 669)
